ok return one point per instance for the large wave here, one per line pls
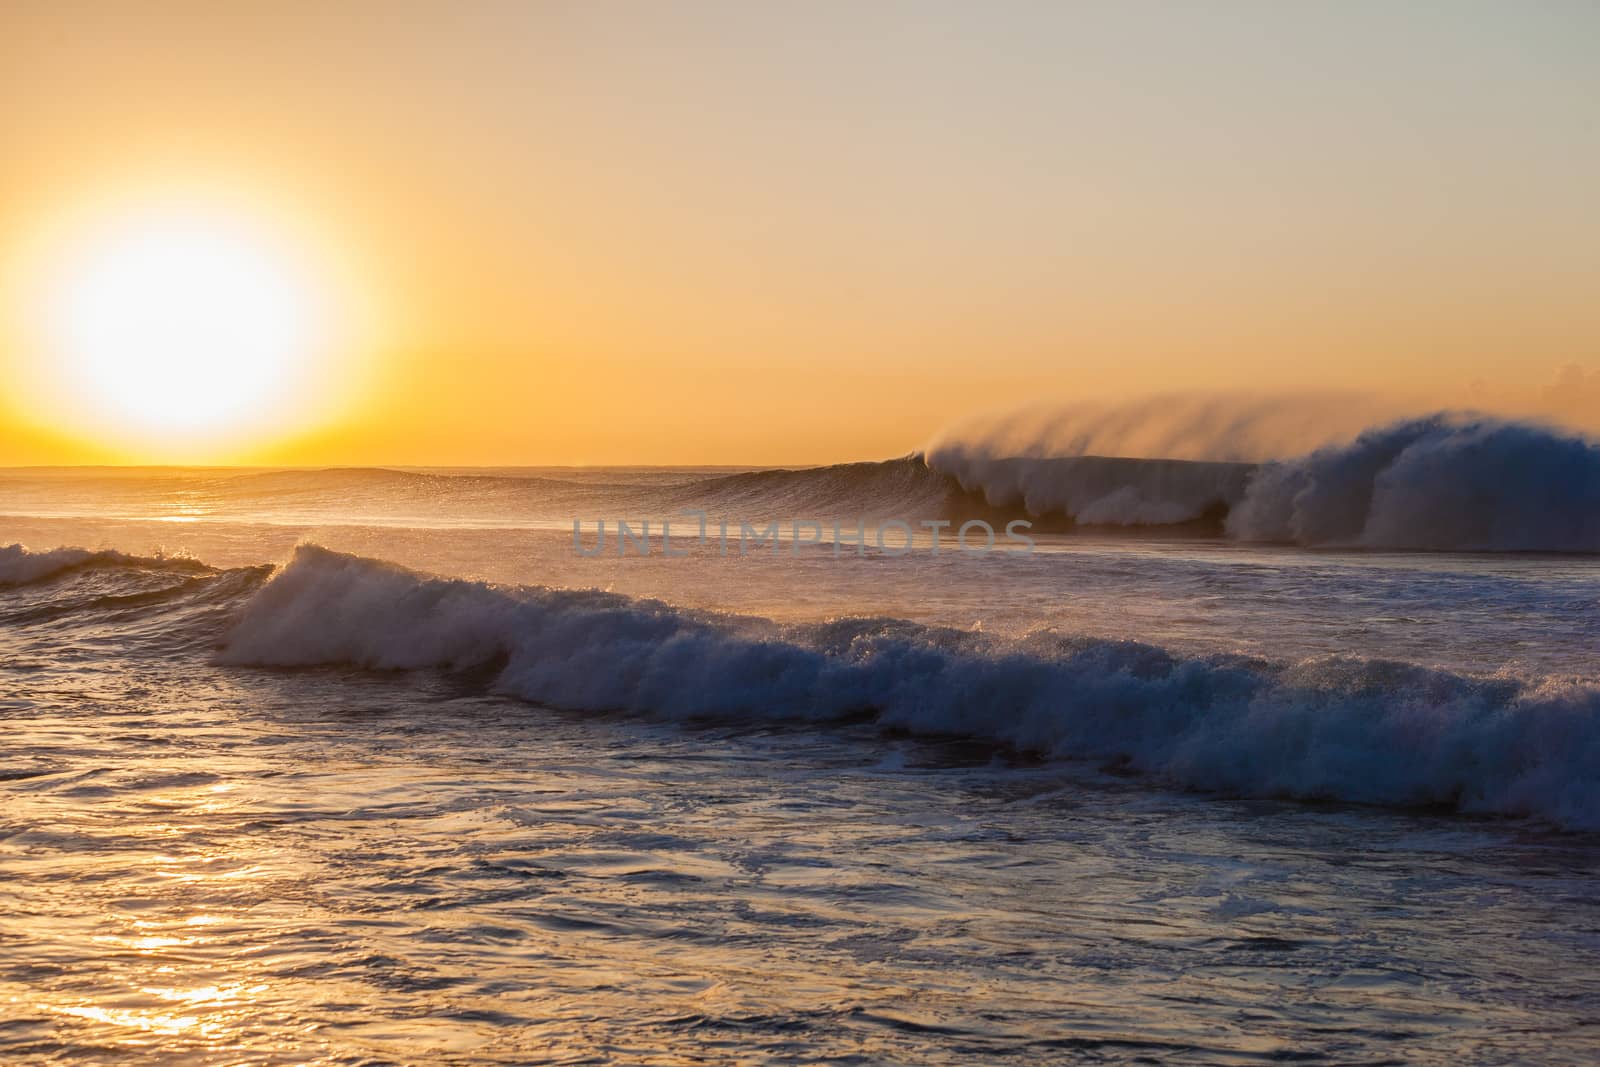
(1368, 731)
(1442, 482)
(1445, 482)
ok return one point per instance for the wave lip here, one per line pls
(1367, 731)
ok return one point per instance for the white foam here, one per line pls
(1337, 728)
(1444, 482)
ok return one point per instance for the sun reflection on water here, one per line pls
(277, 901)
(136, 1020)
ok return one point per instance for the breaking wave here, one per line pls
(1447, 482)
(1444, 482)
(1335, 728)
(1452, 482)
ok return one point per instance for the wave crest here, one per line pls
(1446, 482)
(1368, 731)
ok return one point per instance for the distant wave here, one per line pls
(1449, 482)
(343, 486)
(1445, 482)
(899, 488)
(1367, 731)
(902, 488)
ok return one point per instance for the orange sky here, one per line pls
(725, 233)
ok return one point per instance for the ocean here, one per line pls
(1226, 763)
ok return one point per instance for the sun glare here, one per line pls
(178, 332)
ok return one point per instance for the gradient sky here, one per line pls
(764, 233)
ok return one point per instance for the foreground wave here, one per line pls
(1331, 728)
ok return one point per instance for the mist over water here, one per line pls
(1222, 427)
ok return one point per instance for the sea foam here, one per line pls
(1334, 728)
(1446, 482)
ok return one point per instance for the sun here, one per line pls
(184, 324)
(177, 331)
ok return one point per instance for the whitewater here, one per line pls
(1262, 754)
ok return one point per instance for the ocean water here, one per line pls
(372, 766)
